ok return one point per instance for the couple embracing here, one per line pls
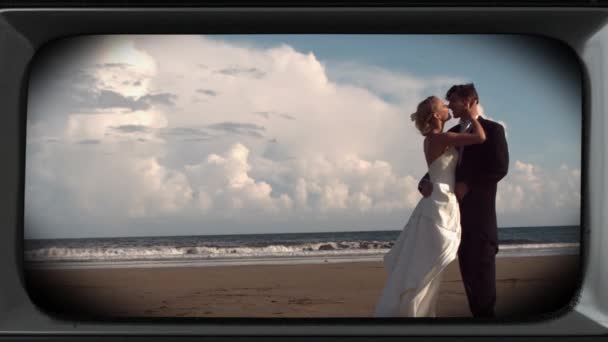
(457, 215)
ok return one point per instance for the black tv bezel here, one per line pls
(28, 30)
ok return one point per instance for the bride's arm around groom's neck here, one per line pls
(495, 163)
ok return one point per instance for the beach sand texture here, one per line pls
(526, 286)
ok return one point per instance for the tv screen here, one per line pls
(303, 172)
(277, 176)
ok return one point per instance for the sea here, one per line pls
(287, 248)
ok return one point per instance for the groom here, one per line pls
(479, 169)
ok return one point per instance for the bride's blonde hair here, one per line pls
(424, 113)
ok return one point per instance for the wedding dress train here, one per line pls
(428, 243)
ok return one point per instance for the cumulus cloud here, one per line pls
(100, 185)
(269, 115)
(130, 128)
(352, 183)
(398, 86)
(104, 99)
(185, 134)
(231, 180)
(280, 138)
(110, 127)
(265, 115)
(239, 128)
(207, 92)
(223, 183)
(166, 99)
(482, 112)
(236, 71)
(530, 195)
(89, 142)
(113, 65)
(287, 116)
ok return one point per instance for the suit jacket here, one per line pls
(481, 167)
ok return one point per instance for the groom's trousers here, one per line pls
(477, 259)
(477, 252)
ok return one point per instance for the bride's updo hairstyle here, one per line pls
(424, 113)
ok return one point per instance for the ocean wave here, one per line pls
(57, 253)
(166, 252)
(531, 246)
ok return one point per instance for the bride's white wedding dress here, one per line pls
(428, 243)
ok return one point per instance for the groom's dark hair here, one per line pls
(463, 91)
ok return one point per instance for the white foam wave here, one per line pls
(273, 251)
(160, 252)
(530, 246)
(538, 249)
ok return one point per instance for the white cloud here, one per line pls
(400, 86)
(275, 136)
(481, 111)
(92, 190)
(530, 195)
(224, 185)
(350, 182)
(321, 185)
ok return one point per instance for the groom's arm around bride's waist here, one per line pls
(425, 187)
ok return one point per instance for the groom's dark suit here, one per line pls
(481, 167)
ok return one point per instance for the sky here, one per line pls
(245, 134)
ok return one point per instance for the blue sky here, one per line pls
(521, 80)
(196, 135)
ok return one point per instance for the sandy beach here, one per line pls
(526, 286)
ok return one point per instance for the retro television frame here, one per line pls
(582, 26)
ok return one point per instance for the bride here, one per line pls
(429, 241)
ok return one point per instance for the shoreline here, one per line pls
(278, 260)
(525, 286)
